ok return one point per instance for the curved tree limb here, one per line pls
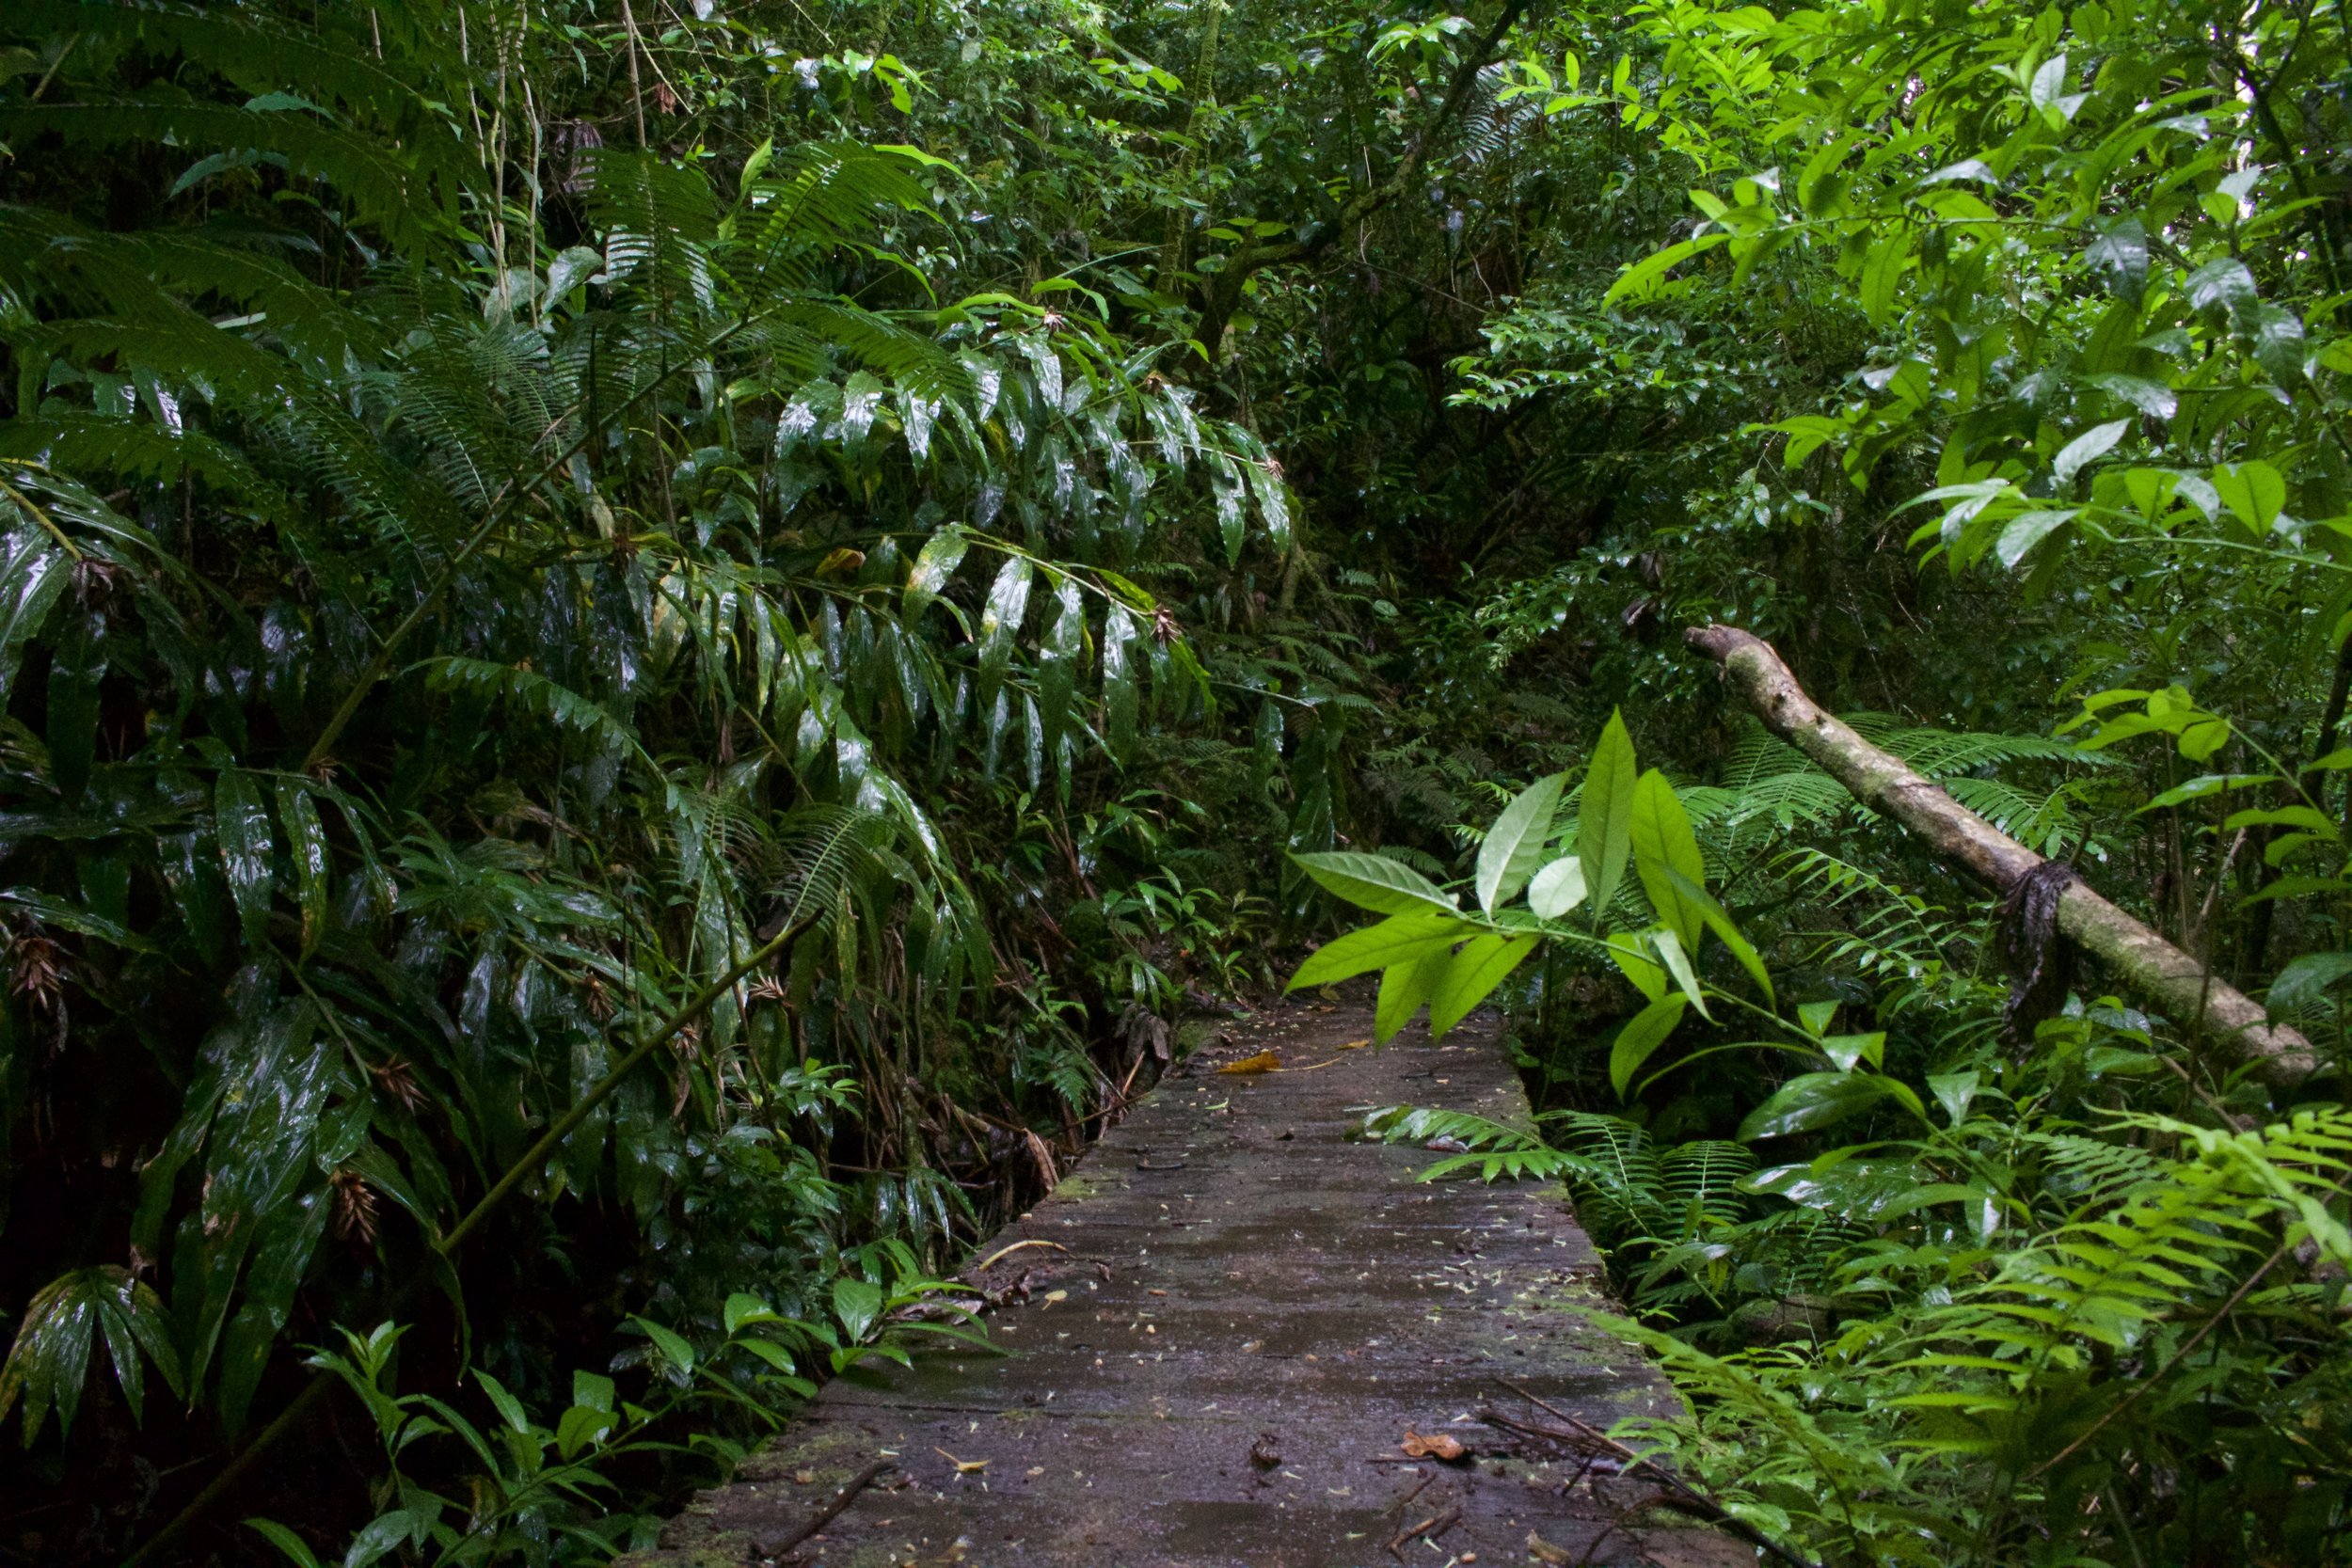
(2186, 989)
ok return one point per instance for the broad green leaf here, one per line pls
(1404, 990)
(2306, 979)
(241, 823)
(286, 1236)
(592, 1391)
(1812, 1101)
(941, 553)
(2202, 785)
(1677, 959)
(672, 1345)
(2119, 254)
(509, 1408)
(2086, 449)
(1514, 844)
(1557, 887)
(1000, 621)
(33, 572)
(1719, 922)
(1955, 1092)
(2026, 529)
(1604, 823)
(1882, 270)
(1663, 844)
(1846, 1049)
(1471, 975)
(1374, 881)
(1400, 938)
(306, 844)
(297, 1550)
(1642, 279)
(1638, 965)
(1119, 680)
(2254, 491)
(1058, 657)
(2201, 738)
(2224, 284)
(2305, 818)
(858, 1305)
(1643, 1034)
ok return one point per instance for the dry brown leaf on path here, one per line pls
(1265, 1061)
(1544, 1551)
(1436, 1445)
(1356, 1045)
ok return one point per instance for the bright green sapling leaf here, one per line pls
(1513, 847)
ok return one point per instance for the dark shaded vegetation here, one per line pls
(514, 510)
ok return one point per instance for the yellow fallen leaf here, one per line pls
(1265, 1061)
(1354, 1045)
(1544, 1551)
(963, 1467)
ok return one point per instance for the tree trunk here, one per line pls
(2185, 989)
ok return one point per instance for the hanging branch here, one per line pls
(2182, 988)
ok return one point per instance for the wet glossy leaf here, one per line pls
(1513, 847)
(941, 554)
(858, 1306)
(33, 573)
(305, 846)
(1640, 1038)
(1119, 680)
(1000, 621)
(241, 826)
(1374, 881)
(1812, 1101)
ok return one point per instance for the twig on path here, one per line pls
(1694, 1501)
(1405, 1501)
(825, 1516)
(1003, 1252)
(1436, 1524)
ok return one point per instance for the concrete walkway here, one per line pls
(1219, 1329)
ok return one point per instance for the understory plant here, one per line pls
(1941, 1294)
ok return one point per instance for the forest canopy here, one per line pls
(652, 651)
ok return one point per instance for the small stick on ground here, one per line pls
(1405, 1501)
(1694, 1501)
(1003, 1252)
(1436, 1524)
(825, 1516)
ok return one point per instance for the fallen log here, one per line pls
(2183, 989)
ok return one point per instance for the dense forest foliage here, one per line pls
(652, 650)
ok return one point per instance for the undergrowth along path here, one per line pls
(1218, 1331)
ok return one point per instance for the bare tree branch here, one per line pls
(2141, 959)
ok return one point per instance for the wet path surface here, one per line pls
(1217, 1330)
